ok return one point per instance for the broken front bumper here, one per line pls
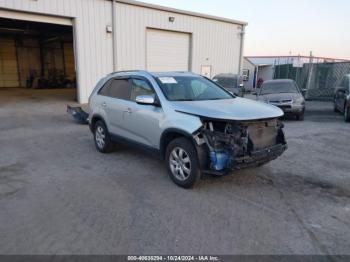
(254, 159)
(259, 157)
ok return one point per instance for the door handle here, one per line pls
(128, 110)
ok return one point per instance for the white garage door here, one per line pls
(35, 17)
(167, 51)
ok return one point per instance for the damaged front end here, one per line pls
(233, 145)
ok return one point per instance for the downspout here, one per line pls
(241, 49)
(114, 34)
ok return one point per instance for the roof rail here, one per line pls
(127, 71)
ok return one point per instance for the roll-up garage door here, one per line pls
(167, 50)
(35, 17)
(8, 63)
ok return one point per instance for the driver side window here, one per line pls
(140, 87)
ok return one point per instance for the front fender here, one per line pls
(181, 121)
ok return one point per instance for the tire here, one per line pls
(300, 117)
(335, 106)
(102, 138)
(347, 114)
(182, 162)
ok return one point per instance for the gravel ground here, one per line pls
(58, 195)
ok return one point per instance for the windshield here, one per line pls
(226, 82)
(278, 87)
(191, 88)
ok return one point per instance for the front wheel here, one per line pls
(182, 163)
(300, 117)
(335, 105)
(347, 114)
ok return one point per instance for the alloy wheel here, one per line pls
(100, 137)
(180, 163)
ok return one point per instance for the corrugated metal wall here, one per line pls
(214, 43)
(93, 44)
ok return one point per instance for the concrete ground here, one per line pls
(58, 195)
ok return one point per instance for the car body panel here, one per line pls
(146, 125)
(274, 98)
(143, 124)
(236, 109)
(231, 82)
(285, 101)
(342, 94)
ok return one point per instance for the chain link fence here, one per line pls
(319, 79)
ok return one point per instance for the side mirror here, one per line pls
(303, 91)
(145, 100)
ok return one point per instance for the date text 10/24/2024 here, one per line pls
(173, 258)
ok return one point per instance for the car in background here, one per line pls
(285, 94)
(342, 98)
(231, 82)
(195, 125)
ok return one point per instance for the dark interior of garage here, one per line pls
(36, 56)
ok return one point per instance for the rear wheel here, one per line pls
(102, 138)
(182, 163)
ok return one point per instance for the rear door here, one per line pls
(114, 102)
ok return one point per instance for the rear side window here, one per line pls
(117, 88)
(104, 91)
(140, 87)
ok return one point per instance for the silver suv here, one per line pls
(188, 120)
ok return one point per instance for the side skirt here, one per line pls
(125, 141)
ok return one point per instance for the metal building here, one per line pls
(87, 39)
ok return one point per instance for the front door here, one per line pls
(142, 122)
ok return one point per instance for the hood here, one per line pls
(279, 97)
(239, 109)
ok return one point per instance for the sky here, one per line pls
(283, 27)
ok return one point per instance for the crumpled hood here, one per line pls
(239, 109)
(279, 97)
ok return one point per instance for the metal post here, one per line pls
(114, 34)
(310, 73)
(242, 33)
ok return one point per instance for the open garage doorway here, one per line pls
(37, 59)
